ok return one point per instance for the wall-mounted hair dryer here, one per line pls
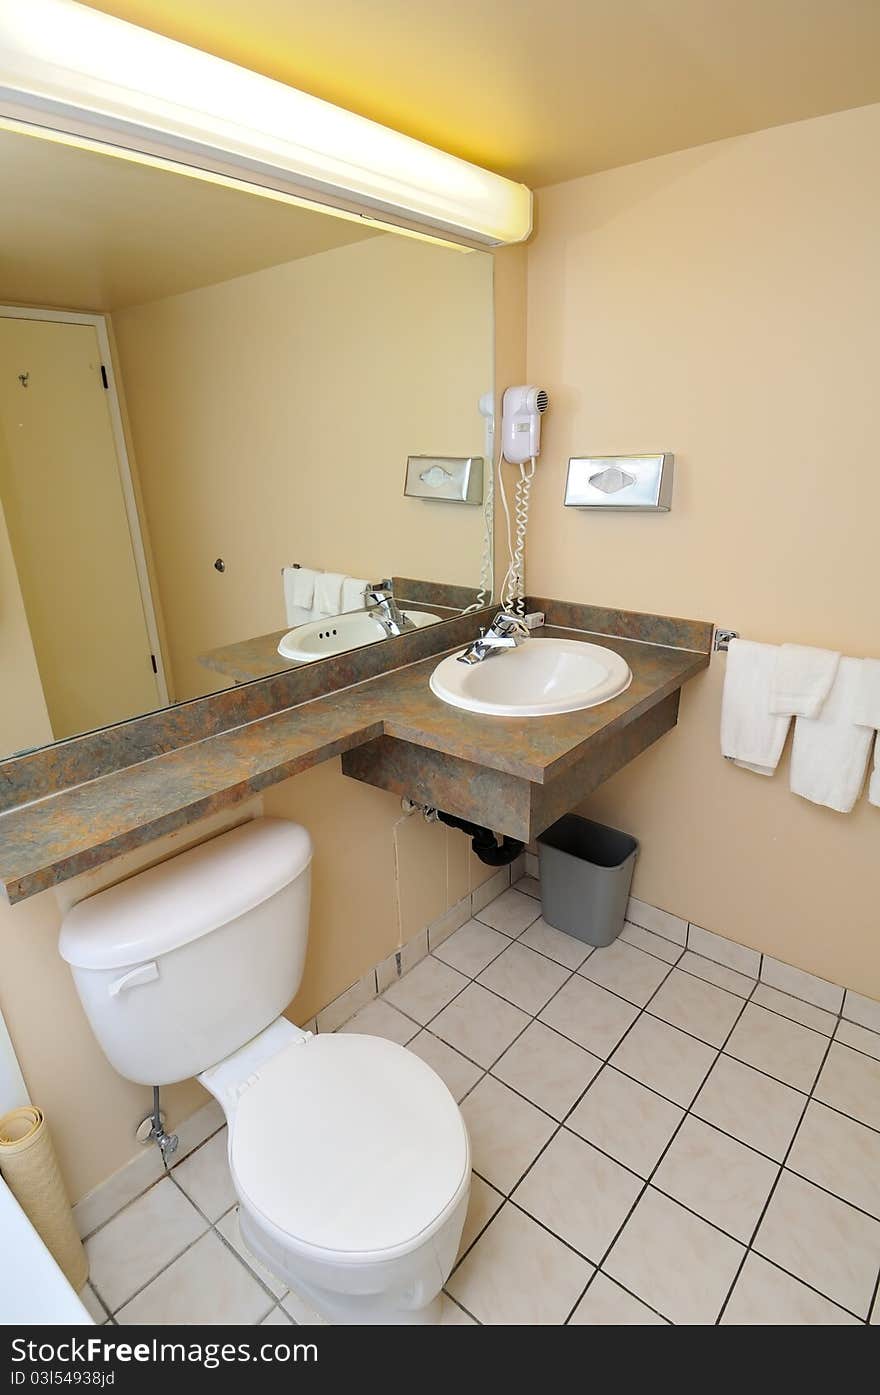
(522, 409)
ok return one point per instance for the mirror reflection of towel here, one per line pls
(299, 590)
(327, 599)
(353, 597)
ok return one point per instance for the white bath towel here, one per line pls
(867, 709)
(874, 782)
(299, 590)
(353, 594)
(868, 715)
(829, 755)
(802, 680)
(327, 599)
(750, 735)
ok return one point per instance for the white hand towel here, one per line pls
(874, 785)
(353, 594)
(328, 593)
(868, 715)
(829, 754)
(802, 680)
(750, 735)
(299, 589)
(867, 709)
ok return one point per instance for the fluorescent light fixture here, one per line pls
(65, 66)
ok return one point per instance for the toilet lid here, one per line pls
(349, 1143)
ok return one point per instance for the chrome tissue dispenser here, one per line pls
(620, 483)
(451, 479)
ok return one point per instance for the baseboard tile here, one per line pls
(799, 984)
(388, 971)
(348, 1003)
(413, 951)
(865, 1012)
(453, 920)
(723, 951)
(664, 923)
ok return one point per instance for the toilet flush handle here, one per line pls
(144, 973)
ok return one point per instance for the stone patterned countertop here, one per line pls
(51, 839)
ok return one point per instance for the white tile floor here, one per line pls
(656, 1138)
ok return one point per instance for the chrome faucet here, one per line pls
(380, 602)
(506, 632)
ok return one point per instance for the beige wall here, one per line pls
(723, 303)
(272, 416)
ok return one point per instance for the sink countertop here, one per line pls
(60, 836)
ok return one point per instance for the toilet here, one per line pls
(349, 1156)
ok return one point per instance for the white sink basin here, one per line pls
(538, 678)
(335, 634)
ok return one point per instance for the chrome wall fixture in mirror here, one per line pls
(207, 404)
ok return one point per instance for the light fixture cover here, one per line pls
(70, 67)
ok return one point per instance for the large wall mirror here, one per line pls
(207, 404)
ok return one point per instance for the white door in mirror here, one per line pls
(336, 633)
(539, 678)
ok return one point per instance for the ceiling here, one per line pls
(545, 90)
(84, 231)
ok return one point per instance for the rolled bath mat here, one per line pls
(30, 1170)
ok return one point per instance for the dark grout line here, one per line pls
(618, 1284)
(849, 1046)
(445, 1292)
(153, 1277)
(774, 1264)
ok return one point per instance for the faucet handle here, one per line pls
(506, 623)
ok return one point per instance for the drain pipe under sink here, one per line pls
(485, 843)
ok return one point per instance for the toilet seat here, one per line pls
(349, 1145)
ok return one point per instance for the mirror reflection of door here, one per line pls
(68, 532)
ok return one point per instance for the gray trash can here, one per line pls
(586, 874)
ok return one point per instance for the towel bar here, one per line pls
(721, 643)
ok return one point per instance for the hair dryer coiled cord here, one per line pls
(513, 590)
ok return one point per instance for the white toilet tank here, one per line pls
(182, 964)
